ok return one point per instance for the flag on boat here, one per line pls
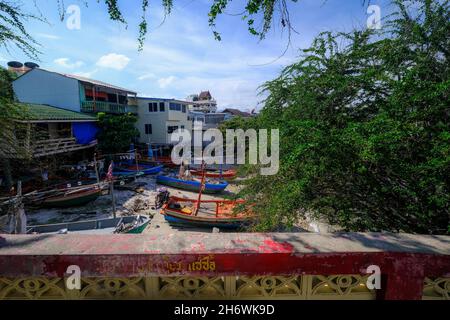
(109, 175)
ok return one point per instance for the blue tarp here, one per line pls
(84, 132)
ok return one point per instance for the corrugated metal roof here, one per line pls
(83, 79)
(96, 82)
(40, 112)
(164, 99)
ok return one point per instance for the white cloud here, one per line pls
(48, 36)
(113, 61)
(88, 74)
(147, 76)
(165, 82)
(65, 62)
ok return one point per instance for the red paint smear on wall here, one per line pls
(272, 246)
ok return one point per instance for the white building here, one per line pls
(158, 118)
(202, 102)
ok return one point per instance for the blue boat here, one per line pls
(124, 175)
(191, 185)
(144, 168)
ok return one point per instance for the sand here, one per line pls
(127, 203)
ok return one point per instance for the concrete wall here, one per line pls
(269, 265)
(159, 120)
(44, 87)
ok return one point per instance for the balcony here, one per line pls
(107, 107)
(41, 148)
(55, 146)
(225, 266)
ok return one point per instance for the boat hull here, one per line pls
(99, 226)
(77, 199)
(140, 168)
(138, 229)
(210, 214)
(227, 174)
(166, 161)
(194, 186)
(175, 218)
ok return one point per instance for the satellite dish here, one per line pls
(31, 65)
(15, 64)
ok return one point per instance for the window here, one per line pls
(171, 129)
(184, 108)
(148, 128)
(162, 107)
(182, 127)
(123, 99)
(153, 107)
(175, 106)
(112, 97)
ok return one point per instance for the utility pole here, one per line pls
(113, 199)
(20, 217)
(110, 177)
(137, 165)
(96, 169)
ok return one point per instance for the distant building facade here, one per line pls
(158, 118)
(213, 120)
(203, 102)
(230, 112)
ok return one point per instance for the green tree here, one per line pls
(9, 110)
(13, 31)
(117, 132)
(364, 128)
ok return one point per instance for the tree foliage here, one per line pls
(364, 128)
(9, 110)
(13, 17)
(253, 10)
(117, 132)
(12, 28)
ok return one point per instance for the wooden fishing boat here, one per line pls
(126, 224)
(121, 178)
(164, 160)
(226, 174)
(191, 185)
(144, 168)
(210, 213)
(73, 197)
(128, 176)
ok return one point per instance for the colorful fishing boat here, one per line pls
(144, 168)
(125, 176)
(126, 224)
(72, 197)
(206, 213)
(218, 174)
(210, 213)
(191, 185)
(164, 160)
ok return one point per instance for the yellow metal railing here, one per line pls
(301, 287)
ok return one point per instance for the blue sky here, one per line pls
(181, 57)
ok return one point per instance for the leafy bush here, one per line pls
(364, 128)
(117, 132)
